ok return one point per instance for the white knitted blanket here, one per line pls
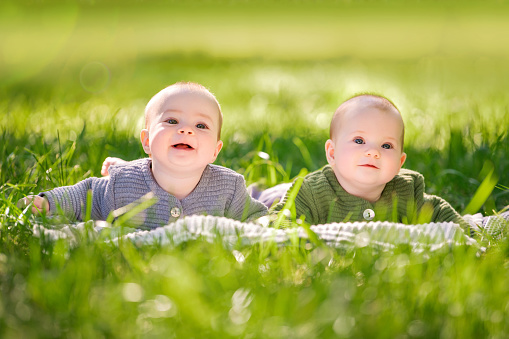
(384, 236)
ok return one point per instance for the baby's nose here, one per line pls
(186, 130)
(372, 152)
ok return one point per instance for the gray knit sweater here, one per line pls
(220, 192)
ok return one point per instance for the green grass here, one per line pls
(71, 103)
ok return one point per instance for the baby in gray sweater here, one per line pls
(182, 138)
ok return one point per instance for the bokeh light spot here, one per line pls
(95, 77)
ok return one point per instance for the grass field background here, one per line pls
(75, 77)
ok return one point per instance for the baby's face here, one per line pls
(182, 130)
(366, 150)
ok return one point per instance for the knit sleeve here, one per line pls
(419, 188)
(304, 202)
(243, 207)
(444, 212)
(71, 200)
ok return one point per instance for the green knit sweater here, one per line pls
(321, 199)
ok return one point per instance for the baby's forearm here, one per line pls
(72, 200)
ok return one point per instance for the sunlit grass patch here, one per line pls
(75, 81)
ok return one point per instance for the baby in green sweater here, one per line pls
(364, 180)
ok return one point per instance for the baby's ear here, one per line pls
(329, 151)
(145, 141)
(219, 146)
(403, 158)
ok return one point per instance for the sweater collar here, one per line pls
(154, 186)
(345, 199)
(350, 201)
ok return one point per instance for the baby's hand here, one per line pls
(40, 204)
(109, 161)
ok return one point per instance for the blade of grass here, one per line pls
(483, 191)
(88, 212)
(304, 151)
(61, 165)
(127, 212)
(292, 194)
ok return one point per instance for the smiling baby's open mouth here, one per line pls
(182, 146)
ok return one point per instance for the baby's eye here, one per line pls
(387, 146)
(358, 141)
(202, 126)
(172, 121)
